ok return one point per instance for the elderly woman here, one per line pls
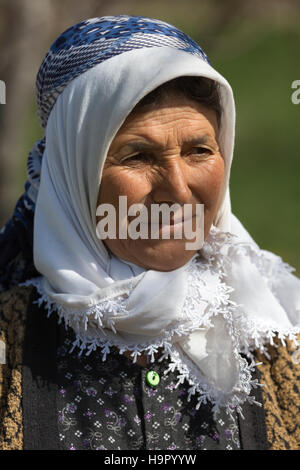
(162, 346)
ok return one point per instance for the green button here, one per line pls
(152, 378)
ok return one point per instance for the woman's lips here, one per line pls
(177, 219)
(173, 222)
(180, 220)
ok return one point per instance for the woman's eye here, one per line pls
(137, 158)
(201, 151)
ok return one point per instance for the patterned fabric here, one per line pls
(281, 395)
(109, 406)
(76, 50)
(13, 308)
(92, 41)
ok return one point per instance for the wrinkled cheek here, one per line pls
(210, 197)
(215, 178)
(211, 187)
(118, 183)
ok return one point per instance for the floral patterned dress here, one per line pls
(110, 406)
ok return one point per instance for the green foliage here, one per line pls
(265, 187)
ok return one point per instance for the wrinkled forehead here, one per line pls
(196, 94)
(165, 119)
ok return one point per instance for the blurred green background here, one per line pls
(255, 45)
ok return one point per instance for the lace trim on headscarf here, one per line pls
(247, 336)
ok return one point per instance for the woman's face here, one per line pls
(167, 153)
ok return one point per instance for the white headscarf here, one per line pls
(229, 300)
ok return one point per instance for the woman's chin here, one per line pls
(163, 255)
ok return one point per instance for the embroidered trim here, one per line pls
(200, 386)
(206, 275)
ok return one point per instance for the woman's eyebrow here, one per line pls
(201, 140)
(140, 146)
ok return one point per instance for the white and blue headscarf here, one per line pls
(232, 299)
(75, 51)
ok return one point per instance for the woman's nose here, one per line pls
(173, 184)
